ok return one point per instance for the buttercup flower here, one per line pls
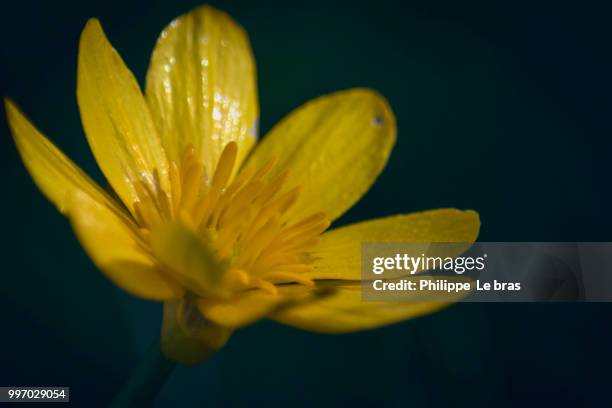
(222, 232)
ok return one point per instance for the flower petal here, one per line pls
(201, 86)
(189, 259)
(117, 120)
(343, 311)
(54, 173)
(338, 255)
(250, 306)
(115, 248)
(335, 147)
(188, 338)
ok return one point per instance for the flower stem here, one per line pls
(146, 380)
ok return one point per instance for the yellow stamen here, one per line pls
(244, 218)
(175, 185)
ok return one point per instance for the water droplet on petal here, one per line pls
(378, 120)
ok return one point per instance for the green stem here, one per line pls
(146, 380)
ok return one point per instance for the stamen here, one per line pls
(306, 223)
(273, 187)
(265, 286)
(245, 218)
(239, 203)
(265, 169)
(260, 241)
(225, 167)
(238, 276)
(175, 186)
(191, 187)
(286, 201)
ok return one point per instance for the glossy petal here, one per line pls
(191, 261)
(334, 146)
(338, 255)
(186, 336)
(54, 173)
(344, 312)
(250, 306)
(201, 86)
(117, 120)
(115, 248)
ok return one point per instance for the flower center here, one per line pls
(243, 217)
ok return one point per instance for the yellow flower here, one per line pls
(222, 233)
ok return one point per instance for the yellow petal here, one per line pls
(201, 86)
(249, 306)
(115, 248)
(187, 337)
(338, 255)
(335, 147)
(189, 258)
(117, 120)
(343, 311)
(54, 173)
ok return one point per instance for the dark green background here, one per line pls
(503, 107)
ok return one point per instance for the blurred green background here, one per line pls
(503, 107)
